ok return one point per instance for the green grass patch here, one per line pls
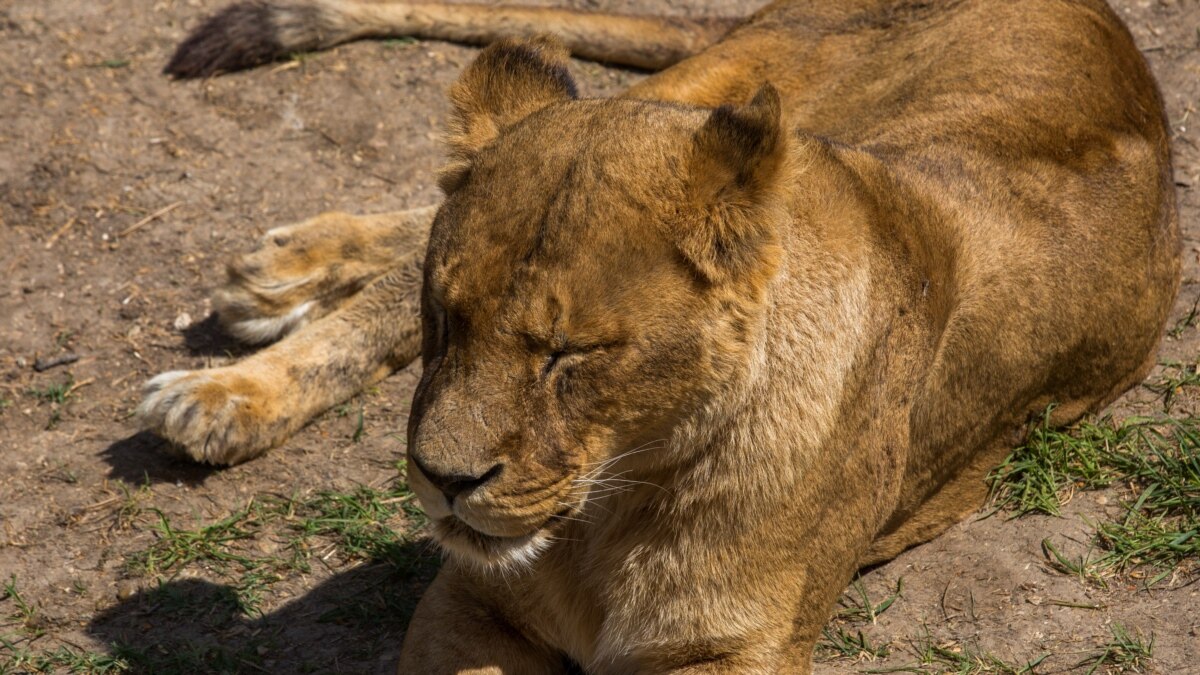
(57, 396)
(839, 643)
(359, 429)
(1127, 652)
(856, 605)
(1156, 463)
(16, 656)
(188, 659)
(178, 547)
(1176, 377)
(17, 659)
(842, 639)
(344, 410)
(55, 393)
(935, 656)
(1188, 320)
(219, 547)
(25, 612)
(356, 522)
(362, 524)
(271, 539)
(111, 64)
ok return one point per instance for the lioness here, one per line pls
(694, 355)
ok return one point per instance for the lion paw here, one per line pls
(212, 416)
(297, 274)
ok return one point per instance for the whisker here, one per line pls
(615, 482)
(608, 492)
(589, 501)
(599, 487)
(578, 520)
(641, 448)
(585, 478)
(631, 482)
(600, 498)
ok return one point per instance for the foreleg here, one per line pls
(234, 413)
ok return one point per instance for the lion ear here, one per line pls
(734, 184)
(509, 80)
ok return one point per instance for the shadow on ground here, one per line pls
(208, 338)
(145, 458)
(352, 623)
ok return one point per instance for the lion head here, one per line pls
(596, 275)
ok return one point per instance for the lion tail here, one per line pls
(254, 32)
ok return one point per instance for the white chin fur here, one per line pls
(487, 553)
(266, 329)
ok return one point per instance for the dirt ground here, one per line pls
(122, 193)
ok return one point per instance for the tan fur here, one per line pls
(769, 317)
(235, 413)
(299, 273)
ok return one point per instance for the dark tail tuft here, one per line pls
(240, 36)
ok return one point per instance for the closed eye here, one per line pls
(552, 361)
(560, 358)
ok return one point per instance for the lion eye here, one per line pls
(567, 356)
(552, 360)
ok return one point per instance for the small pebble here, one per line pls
(126, 589)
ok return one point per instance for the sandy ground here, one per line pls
(93, 140)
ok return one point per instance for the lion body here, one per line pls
(970, 218)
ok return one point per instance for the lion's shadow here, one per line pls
(144, 457)
(208, 338)
(353, 622)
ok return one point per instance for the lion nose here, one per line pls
(454, 484)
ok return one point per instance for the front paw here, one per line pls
(267, 295)
(297, 274)
(213, 416)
